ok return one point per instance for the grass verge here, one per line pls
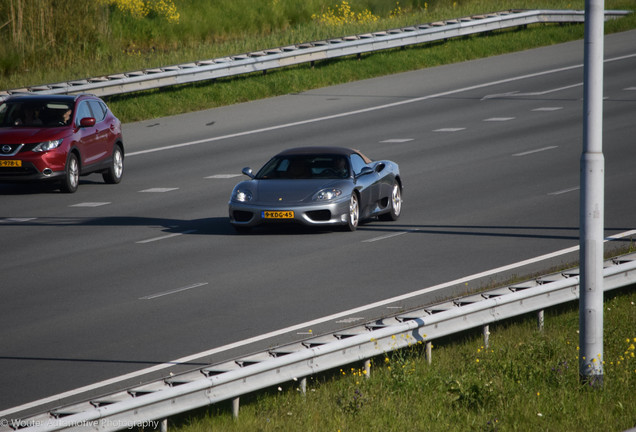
(525, 380)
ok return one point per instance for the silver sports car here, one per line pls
(321, 186)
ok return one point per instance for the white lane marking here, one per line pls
(300, 326)
(630, 89)
(499, 119)
(449, 129)
(370, 109)
(349, 320)
(223, 176)
(535, 151)
(547, 109)
(565, 191)
(384, 237)
(397, 140)
(165, 237)
(174, 291)
(541, 93)
(554, 90)
(90, 204)
(158, 190)
(499, 95)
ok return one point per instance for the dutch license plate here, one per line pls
(10, 163)
(285, 214)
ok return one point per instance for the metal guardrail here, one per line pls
(145, 404)
(261, 61)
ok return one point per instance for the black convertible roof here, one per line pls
(323, 150)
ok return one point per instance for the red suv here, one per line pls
(59, 137)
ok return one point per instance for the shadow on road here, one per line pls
(222, 226)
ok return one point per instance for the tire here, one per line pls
(395, 202)
(70, 183)
(353, 218)
(116, 169)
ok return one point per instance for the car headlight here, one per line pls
(47, 145)
(327, 194)
(241, 195)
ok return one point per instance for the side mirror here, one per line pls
(364, 171)
(87, 122)
(248, 172)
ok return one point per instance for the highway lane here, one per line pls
(114, 279)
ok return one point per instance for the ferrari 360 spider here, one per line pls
(318, 186)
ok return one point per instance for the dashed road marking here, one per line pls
(563, 191)
(547, 109)
(90, 204)
(174, 291)
(158, 190)
(499, 119)
(165, 237)
(535, 151)
(384, 237)
(397, 140)
(222, 176)
(449, 129)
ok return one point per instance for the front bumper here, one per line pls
(316, 214)
(28, 172)
(34, 166)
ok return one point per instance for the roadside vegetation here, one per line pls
(47, 41)
(525, 380)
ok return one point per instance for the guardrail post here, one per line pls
(486, 332)
(429, 352)
(367, 368)
(163, 426)
(303, 386)
(540, 319)
(235, 407)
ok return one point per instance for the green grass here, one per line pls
(526, 380)
(67, 42)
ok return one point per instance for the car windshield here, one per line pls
(34, 113)
(305, 167)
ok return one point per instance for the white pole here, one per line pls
(592, 202)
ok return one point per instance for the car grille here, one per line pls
(10, 149)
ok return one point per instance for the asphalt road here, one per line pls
(117, 279)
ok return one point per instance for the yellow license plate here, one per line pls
(10, 163)
(286, 214)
